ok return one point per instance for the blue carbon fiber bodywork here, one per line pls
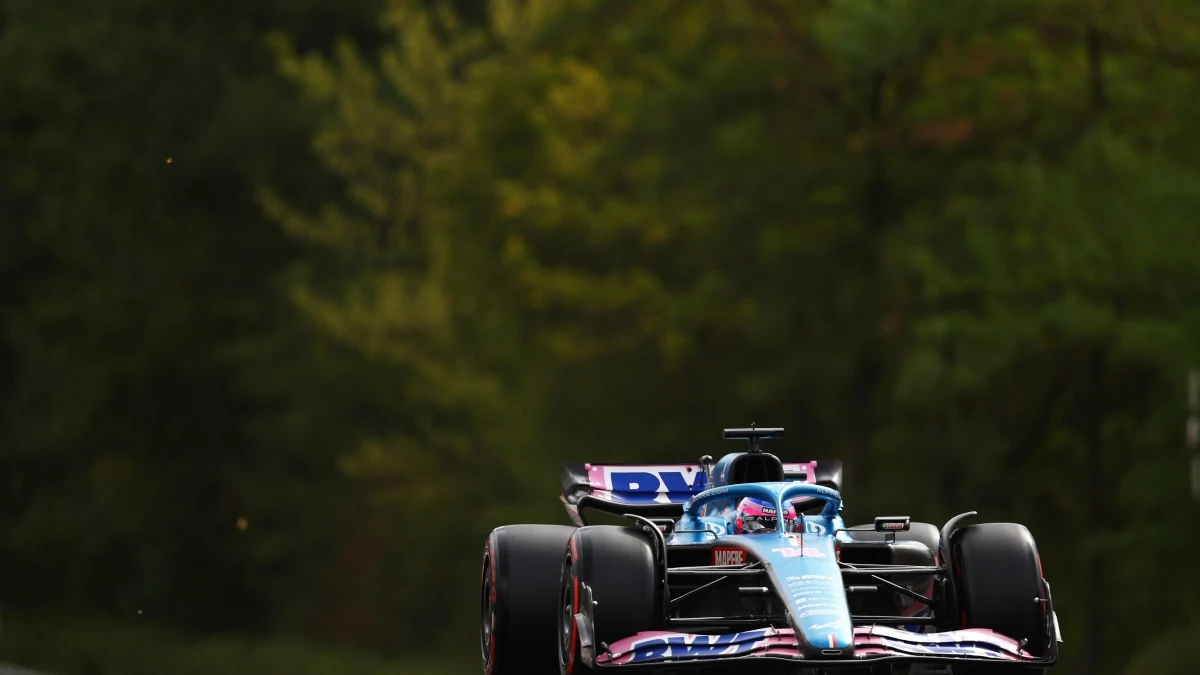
(802, 565)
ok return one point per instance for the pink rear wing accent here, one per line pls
(651, 490)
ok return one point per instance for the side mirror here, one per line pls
(893, 523)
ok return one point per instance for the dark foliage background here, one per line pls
(299, 299)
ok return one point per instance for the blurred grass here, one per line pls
(94, 646)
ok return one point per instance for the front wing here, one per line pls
(871, 643)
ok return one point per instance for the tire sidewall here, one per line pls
(489, 592)
(569, 654)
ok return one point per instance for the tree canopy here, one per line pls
(300, 302)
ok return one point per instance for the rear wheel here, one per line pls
(618, 565)
(999, 581)
(519, 598)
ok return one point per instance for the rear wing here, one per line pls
(660, 490)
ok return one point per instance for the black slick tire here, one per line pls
(519, 598)
(998, 576)
(618, 565)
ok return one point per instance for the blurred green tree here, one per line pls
(276, 352)
(943, 244)
(157, 385)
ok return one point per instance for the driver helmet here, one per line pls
(756, 515)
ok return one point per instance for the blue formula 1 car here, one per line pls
(747, 567)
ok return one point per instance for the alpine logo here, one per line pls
(723, 555)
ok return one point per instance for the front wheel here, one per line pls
(618, 565)
(998, 574)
